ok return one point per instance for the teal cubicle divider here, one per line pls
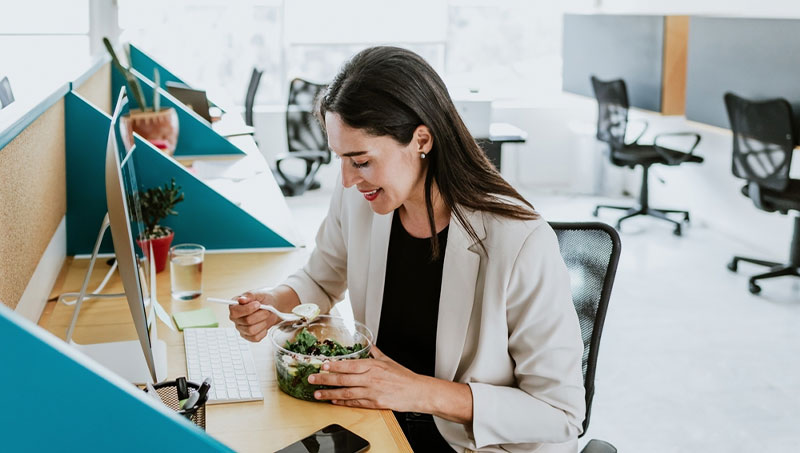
(142, 62)
(86, 134)
(205, 216)
(196, 137)
(57, 399)
(145, 64)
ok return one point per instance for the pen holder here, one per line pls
(168, 392)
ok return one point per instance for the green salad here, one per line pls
(293, 371)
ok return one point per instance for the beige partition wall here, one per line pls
(673, 90)
(32, 199)
(97, 88)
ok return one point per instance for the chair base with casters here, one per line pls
(644, 208)
(293, 185)
(792, 268)
(612, 124)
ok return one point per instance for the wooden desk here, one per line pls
(254, 426)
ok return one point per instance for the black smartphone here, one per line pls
(330, 439)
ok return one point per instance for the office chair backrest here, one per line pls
(302, 129)
(6, 95)
(763, 140)
(591, 252)
(612, 111)
(250, 98)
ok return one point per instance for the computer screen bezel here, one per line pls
(119, 214)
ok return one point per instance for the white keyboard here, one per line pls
(225, 357)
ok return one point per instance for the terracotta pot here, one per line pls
(160, 249)
(159, 128)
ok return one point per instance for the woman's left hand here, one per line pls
(378, 383)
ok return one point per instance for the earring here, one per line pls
(423, 155)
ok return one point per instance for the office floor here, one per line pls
(690, 361)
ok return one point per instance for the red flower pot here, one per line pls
(160, 249)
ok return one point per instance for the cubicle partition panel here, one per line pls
(615, 46)
(57, 399)
(205, 216)
(146, 64)
(32, 198)
(86, 138)
(93, 86)
(648, 52)
(196, 136)
(754, 58)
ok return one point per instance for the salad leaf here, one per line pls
(306, 343)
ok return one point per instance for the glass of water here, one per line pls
(186, 270)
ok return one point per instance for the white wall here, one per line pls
(747, 8)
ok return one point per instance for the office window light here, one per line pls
(40, 51)
(509, 49)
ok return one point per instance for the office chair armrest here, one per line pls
(686, 154)
(599, 446)
(641, 133)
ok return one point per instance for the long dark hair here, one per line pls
(391, 91)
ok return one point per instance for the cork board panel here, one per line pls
(676, 42)
(32, 199)
(97, 88)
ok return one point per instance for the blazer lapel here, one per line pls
(376, 271)
(462, 261)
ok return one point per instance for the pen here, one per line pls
(204, 388)
(183, 390)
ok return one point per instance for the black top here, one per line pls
(410, 311)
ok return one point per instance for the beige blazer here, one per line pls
(506, 326)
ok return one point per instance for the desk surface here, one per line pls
(253, 426)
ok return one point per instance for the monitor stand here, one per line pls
(124, 358)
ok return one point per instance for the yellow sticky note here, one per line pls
(203, 317)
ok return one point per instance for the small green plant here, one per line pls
(157, 203)
(133, 82)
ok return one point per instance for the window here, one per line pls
(39, 52)
(509, 49)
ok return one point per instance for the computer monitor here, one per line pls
(6, 95)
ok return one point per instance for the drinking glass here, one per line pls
(186, 270)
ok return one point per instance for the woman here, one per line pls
(462, 283)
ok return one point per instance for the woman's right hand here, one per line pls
(252, 322)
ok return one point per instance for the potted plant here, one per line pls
(157, 203)
(157, 125)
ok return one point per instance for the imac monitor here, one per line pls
(125, 217)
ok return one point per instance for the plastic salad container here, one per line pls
(301, 349)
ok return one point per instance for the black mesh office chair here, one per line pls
(764, 137)
(591, 252)
(250, 97)
(306, 139)
(6, 95)
(612, 123)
